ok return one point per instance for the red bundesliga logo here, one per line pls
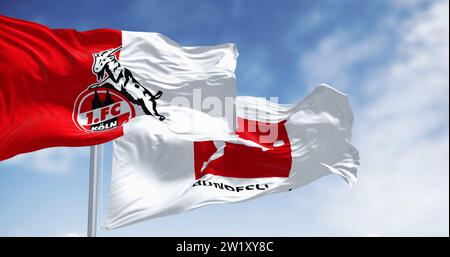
(101, 109)
(240, 161)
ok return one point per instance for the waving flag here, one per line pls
(157, 173)
(61, 87)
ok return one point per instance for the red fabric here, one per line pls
(241, 161)
(42, 71)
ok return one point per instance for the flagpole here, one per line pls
(95, 163)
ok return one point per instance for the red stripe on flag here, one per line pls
(42, 71)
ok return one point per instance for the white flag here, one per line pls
(157, 173)
(184, 75)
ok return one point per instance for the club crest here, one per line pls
(109, 102)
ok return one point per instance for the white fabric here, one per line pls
(185, 75)
(153, 168)
(187, 78)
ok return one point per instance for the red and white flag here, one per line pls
(157, 173)
(61, 87)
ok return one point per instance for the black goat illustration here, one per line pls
(111, 74)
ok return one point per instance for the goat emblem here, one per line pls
(110, 74)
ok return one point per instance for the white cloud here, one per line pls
(258, 74)
(402, 132)
(72, 235)
(305, 24)
(407, 3)
(335, 57)
(59, 160)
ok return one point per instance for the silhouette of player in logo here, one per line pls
(111, 74)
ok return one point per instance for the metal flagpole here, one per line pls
(94, 174)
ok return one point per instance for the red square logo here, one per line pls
(241, 161)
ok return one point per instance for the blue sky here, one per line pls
(391, 57)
